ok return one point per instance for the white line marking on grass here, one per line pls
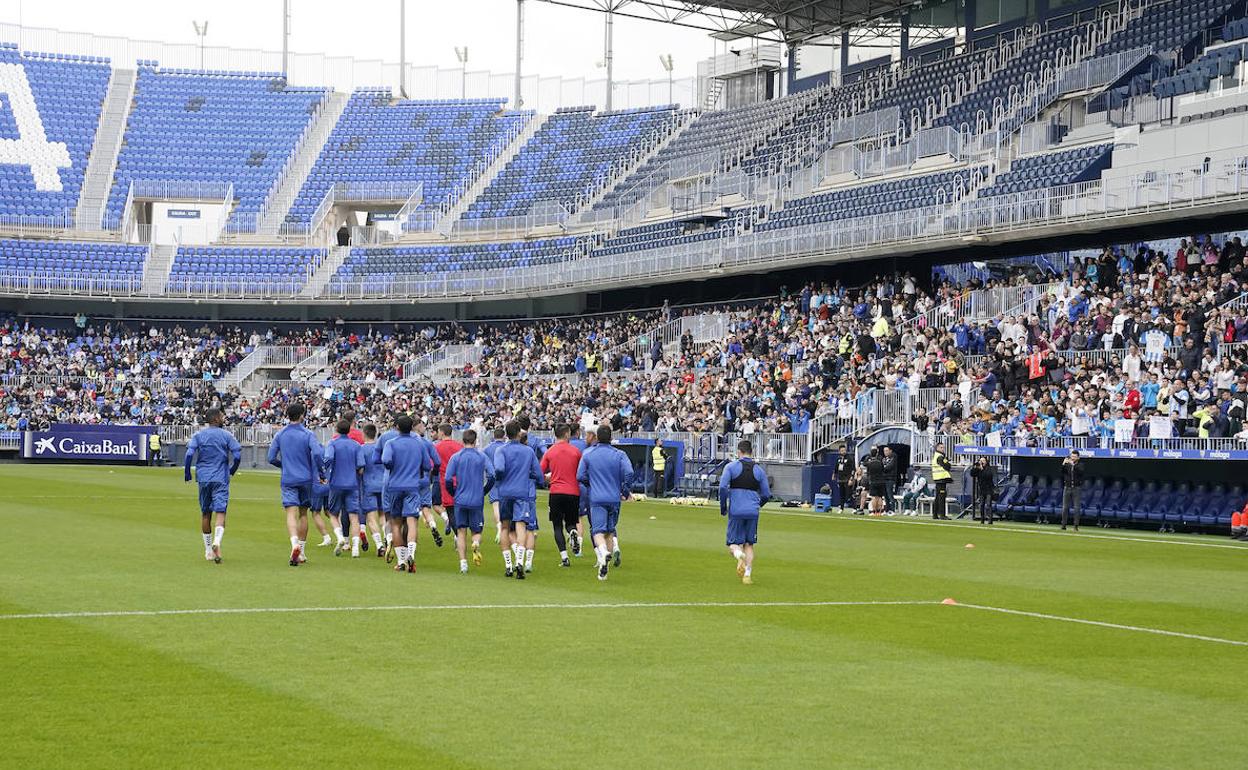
(1103, 624)
(441, 607)
(1013, 529)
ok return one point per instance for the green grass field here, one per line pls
(671, 663)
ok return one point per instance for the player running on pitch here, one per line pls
(373, 486)
(469, 475)
(743, 489)
(297, 452)
(515, 468)
(409, 464)
(559, 464)
(490, 451)
(343, 467)
(426, 490)
(608, 474)
(446, 447)
(216, 455)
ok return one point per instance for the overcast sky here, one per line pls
(559, 40)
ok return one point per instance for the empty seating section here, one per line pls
(868, 200)
(1168, 25)
(64, 259)
(205, 269)
(659, 235)
(802, 143)
(1114, 501)
(189, 126)
(68, 93)
(912, 92)
(571, 155)
(382, 141)
(375, 269)
(1195, 77)
(1052, 169)
(1016, 73)
(720, 139)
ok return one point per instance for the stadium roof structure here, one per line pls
(793, 21)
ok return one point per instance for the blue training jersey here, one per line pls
(515, 469)
(297, 452)
(408, 463)
(742, 497)
(374, 471)
(607, 472)
(382, 440)
(431, 451)
(343, 460)
(473, 475)
(215, 453)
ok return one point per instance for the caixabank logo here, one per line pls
(122, 444)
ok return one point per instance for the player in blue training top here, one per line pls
(320, 514)
(515, 468)
(426, 490)
(409, 466)
(372, 487)
(382, 440)
(743, 489)
(216, 455)
(297, 452)
(607, 473)
(344, 469)
(469, 475)
(490, 451)
(531, 528)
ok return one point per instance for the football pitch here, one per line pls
(122, 647)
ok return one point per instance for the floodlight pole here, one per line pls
(286, 39)
(518, 101)
(610, 52)
(201, 31)
(403, 49)
(668, 64)
(462, 55)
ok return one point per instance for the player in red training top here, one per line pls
(559, 465)
(446, 447)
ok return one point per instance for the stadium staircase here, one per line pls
(98, 180)
(158, 266)
(265, 358)
(682, 122)
(437, 364)
(705, 328)
(325, 271)
(301, 162)
(451, 215)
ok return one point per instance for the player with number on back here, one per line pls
(216, 455)
(297, 452)
(743, 489)
(608, 473)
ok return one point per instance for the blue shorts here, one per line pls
(603, 518)
(518, 511)
(469, 517)
(214, 496)
(742, 530)
(405, 503)
(372, 501)
(387, 501)
(320, 502)
(297, 495)
(344, 501)
(426, 496)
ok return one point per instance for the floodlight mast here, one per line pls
(286, 39)
(403, 49)
(518, 101)
(609, 54)
(462, 55)
(201, 31)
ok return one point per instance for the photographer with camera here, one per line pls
(985, 479)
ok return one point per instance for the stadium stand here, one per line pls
(1052, 170)
(209, 269)
(380, 141)
(211, 127)
(574, 154)
(68, 92)
(65, 264)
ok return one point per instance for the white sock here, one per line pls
(217, 535)
(302, 545)
(207, 541)
(528, 560)
(737, 553)
(463, 565)
(748, 568)
(507, 559)
(294, 543)
(601, 552)
(355, 547)
(338, 532)
(389, 538)
(563, 555)
(519, 555)
(402, 554)
(411, 549)
(446, 519)
(377, 540)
